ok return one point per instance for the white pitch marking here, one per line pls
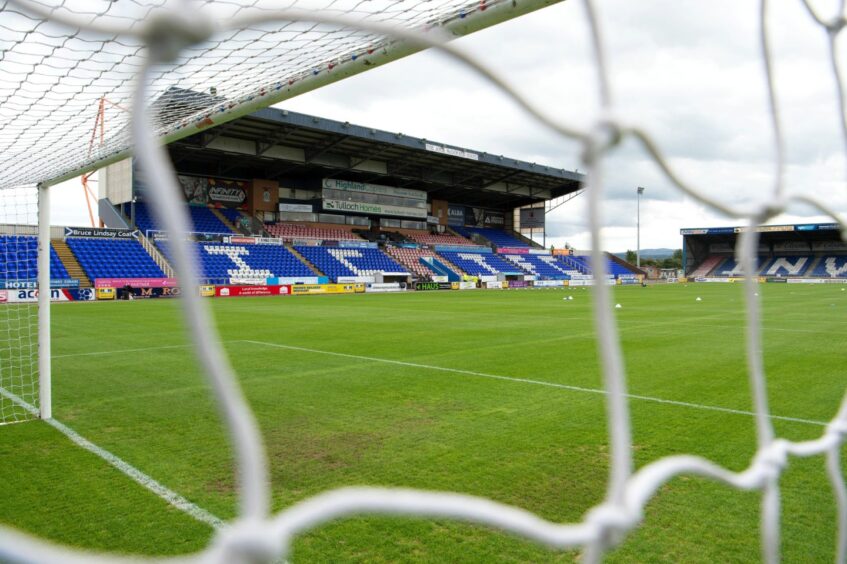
(537, 383)
(170, 496)
(99, 353)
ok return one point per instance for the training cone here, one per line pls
(618, 306)
(699, 299)
(570, 297)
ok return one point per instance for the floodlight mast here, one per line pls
(638, 227)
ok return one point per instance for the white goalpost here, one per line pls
(159, 59)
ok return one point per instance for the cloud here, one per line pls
(689, 73)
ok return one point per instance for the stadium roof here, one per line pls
(806, 228)
(274, 143)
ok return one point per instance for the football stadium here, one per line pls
(288, 338)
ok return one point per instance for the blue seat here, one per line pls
(114, 258)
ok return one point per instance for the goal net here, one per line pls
(18, 310)
(181, 67)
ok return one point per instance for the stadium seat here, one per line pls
(481, 264)
(114, 258)
(787, 266)
(831, 267)
(203, 220)
(335, 262)
(545, 267)
(219, 262)
(432, 239)
(411, 259)
(497, 237)
(19, 259)
(291, 231)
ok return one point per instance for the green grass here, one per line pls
(331, 421)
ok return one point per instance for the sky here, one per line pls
(690, 73)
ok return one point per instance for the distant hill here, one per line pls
(658, 254)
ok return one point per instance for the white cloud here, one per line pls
(690, 73)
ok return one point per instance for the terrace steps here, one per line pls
(224, 220)
(302, 259)
(71, 264)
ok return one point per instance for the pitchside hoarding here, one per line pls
(135, 282)
(233, 291)
(56, 295)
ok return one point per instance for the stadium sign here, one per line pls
(56, 295)
(233, 291)
(301, 208)
(366, 188)
(455, 215)
(135, 282)
(102, 233)
(147, 293)
(373, 209)
(444, 150)
(532, 218)
(32, 283)
(425, 286)
(228, 194)
(548, 283)
(765, 228)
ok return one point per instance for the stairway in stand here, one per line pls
(224, 220)
(71, 264)
(302, 259)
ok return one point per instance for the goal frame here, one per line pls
(45, 381)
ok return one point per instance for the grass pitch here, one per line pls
(124, 379)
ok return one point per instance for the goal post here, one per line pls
(45, 395)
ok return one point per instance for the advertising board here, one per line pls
(207, 291)
(467, 285)
(313, 289)
(235, 291)
(426, 286)
(532, 218)
(375, 209)
(495, 285)
(101, 232)
(518, 284)
(817, 280)
(135, 282)
(385, 287)
(367, 188)
(146, 293)
(30, 295)
(549, 283)
(33, 283)
(718, 280)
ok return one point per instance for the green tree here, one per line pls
(630, 256)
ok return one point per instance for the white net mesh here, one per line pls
(18, 310)
(182, 45)
(53, 78)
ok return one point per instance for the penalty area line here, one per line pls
(538, 383)
(133, 473)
